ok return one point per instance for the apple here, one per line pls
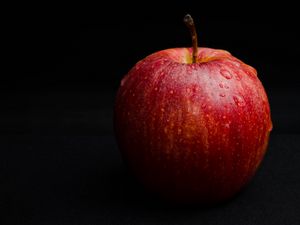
(192, 124)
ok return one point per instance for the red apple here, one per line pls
(192, 123)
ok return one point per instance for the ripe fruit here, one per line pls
(192, 124)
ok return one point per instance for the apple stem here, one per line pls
(189, 22)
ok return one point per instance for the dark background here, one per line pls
(63, 64)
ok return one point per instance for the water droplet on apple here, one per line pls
(226, 74)
(239, 101)
(162, 109)
(171, 92)
(238, 76)
(222, 95)
(250, 73)
(234, 63)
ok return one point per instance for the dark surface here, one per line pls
(62, 179)
(59, 163)
(66, 169)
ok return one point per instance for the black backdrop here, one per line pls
(59, 160)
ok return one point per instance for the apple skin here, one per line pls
(192, 132)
